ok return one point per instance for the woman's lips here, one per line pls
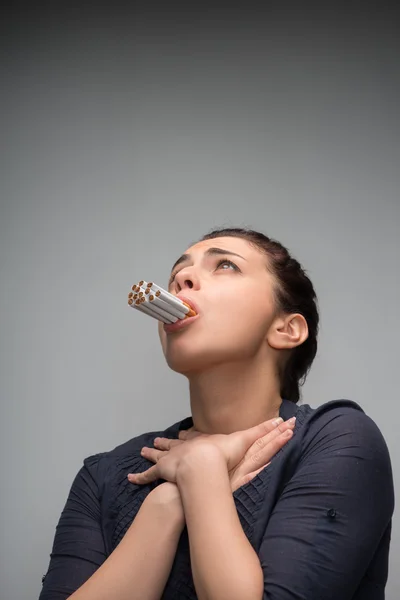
(191, 303)
(172, 327)
(181, 323)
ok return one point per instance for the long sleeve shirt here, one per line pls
(318, 516)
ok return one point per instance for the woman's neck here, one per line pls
(231, 397)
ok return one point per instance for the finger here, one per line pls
(166, 443)
(189, 434)
(258, 431)
(251, 475)
(152, 454)
(268, 452)
(248, 477)
(279, 429)
(145, 477)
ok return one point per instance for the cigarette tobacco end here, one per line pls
(130, 301)
(130, 295)
(141, 283)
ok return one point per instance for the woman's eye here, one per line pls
(222, 262)
(227, 262)
(172, 279)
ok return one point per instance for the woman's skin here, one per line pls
(139, 567)
(230, 354)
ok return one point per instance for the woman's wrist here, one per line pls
(201, 457)
(166, 499)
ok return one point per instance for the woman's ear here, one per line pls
(287, 331)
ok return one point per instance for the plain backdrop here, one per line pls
(125, 137)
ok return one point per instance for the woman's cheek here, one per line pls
(163, 336)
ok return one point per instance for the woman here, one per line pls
(252, 496)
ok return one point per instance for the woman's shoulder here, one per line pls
(341, 420)
(342, 409)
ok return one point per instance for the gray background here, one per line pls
(126, 136)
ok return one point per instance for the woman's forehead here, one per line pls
(232, 244)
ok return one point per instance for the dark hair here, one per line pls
(294, 293)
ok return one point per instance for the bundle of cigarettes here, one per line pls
(152, 300)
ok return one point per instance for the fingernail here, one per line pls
(156, 440)
(292, 421)
(277, 422)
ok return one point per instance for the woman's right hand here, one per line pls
(257, 457)
(260, 454)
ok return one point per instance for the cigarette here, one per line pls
(177, 302)
(149, 312)
(162, 308)
(157, 288)
(160, 311)
(168, 307)
(158, 303)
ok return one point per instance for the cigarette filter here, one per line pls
(154, 301)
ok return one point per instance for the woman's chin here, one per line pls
(183, 365)
(186, 360)
(190, 363)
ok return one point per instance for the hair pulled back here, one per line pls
(294, 293)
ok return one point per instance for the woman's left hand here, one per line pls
(232, 446)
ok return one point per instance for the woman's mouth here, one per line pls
(181, 324)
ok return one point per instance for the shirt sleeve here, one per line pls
(78, 547)
(333, 513)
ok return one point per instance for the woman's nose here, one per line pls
(186, 279)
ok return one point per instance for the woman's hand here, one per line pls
(260, 454)
(246, 452)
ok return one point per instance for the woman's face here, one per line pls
(228, 281)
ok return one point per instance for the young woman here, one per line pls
(252, 496)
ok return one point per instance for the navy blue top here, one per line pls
(319, 516)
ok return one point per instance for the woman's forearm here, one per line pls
(224, 564)
(139, 567)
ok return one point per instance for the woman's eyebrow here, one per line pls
(209, 252)
(180, 260)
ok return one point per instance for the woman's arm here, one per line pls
(139, 567)
(332, 519)
(224, 564)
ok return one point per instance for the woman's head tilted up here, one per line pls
(257, 310)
